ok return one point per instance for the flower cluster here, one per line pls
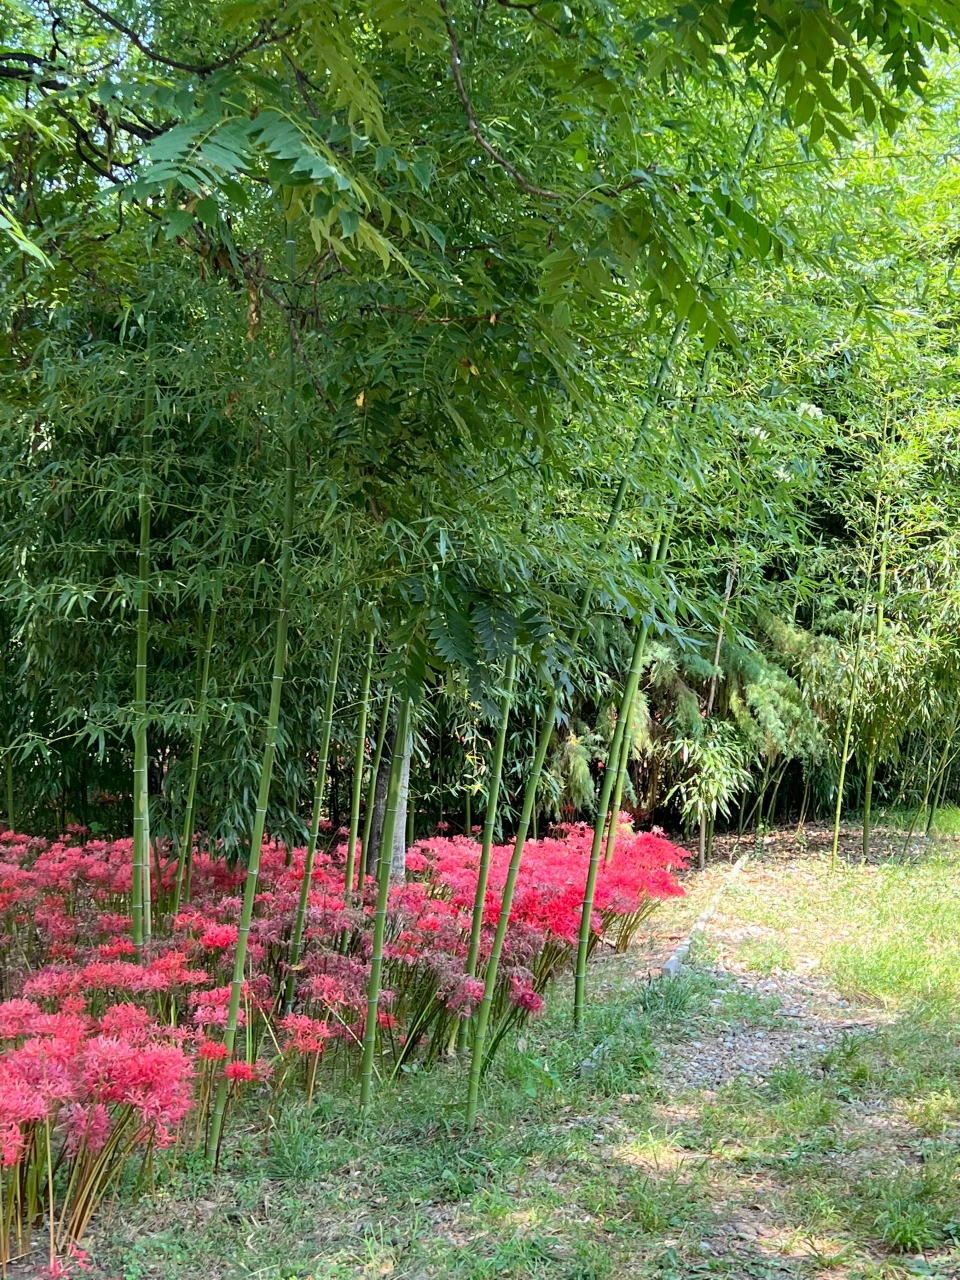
(108, 1049)
(86, 1093)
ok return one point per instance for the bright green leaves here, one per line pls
(11, 229)
(818, 48)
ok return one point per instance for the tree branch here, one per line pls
(263, 37)
(298, 348)
(455, 63)
(532, 10)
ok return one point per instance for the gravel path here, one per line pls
(814, 1019)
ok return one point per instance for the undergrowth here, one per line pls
(592, 1163)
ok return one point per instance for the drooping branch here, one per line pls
(544, 193)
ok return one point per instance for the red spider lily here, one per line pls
(111, 1053)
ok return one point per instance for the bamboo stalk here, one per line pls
(359, 756)
(872, 747)
(270, 745)
(506, 902)
(380, 916)
(934, 778)
(711, 696)
(185, 856)
(374, 770)
(529, 801)
(8, 770)
(658, 554)
(852, 698)
(623, 765)
(315, 820)
(489, 824)
(609, 778)
(8, 752)
(140, 890)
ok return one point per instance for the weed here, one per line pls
(765, 955)
(907, 1225)
(932, 1113)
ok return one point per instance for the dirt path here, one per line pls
(789, 1104)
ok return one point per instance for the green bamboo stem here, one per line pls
(8, 752)
(711, 696)
(935, 778)
(852, 698)
(318, 791)
(623, 765)
(935, 804)
(533, 823)
(269, 750)
(489, 825)
(359, 757)
(140, 888)
(380, 915)
(658, 554)
(185, 857)
(533, 782)
(8, 770)
(546, 733)
(374, 770)
(872, 747)
(506, 903)
(609, 778)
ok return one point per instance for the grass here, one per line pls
(592, 1161)
(888, 934)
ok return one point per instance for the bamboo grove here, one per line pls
(421, 415)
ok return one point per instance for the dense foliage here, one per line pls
(423, 413)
